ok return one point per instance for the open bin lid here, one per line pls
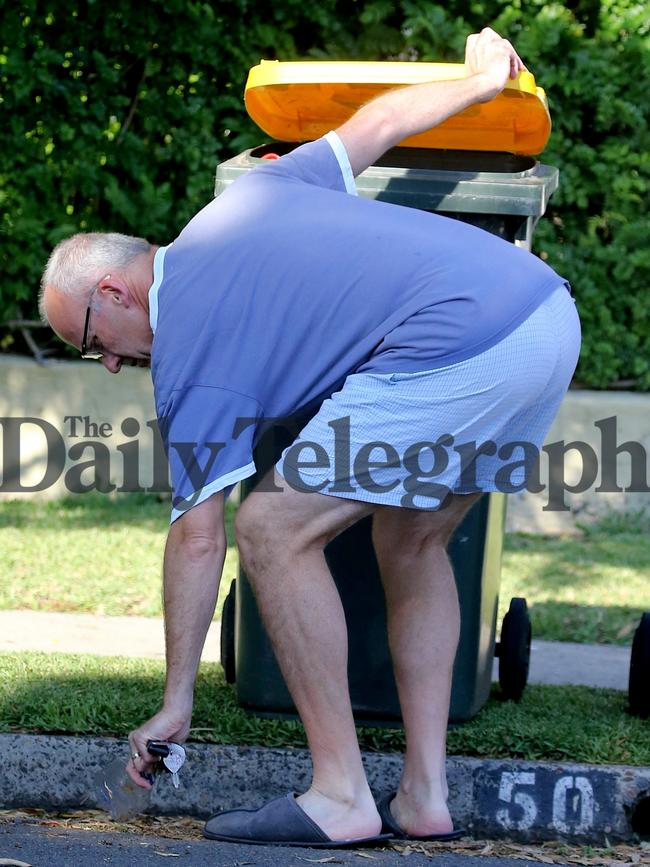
(302, 101)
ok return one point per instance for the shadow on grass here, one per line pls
(94, 510)
(592, 589)
(591, 565)
(591, 624)
(86, 511)
(111, 696)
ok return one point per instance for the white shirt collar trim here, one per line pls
(343, 160)
(158, 263)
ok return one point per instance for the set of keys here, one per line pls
(172, 755)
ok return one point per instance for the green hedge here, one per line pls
(115, 115)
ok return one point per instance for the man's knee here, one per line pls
(250, 525)
(413, 530)
(290, 525)
(262, 524)
(410, 534)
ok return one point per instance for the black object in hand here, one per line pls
(160, 749)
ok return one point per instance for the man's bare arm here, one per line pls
(406, 111)
(194, 557)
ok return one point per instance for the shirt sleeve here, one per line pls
(209, 436)
(322, 163)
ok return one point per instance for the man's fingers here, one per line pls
(488, 33)
(135, 745)
(516, 64)
(470, 49)
(134, 771)
(138, 747)
(141, 761)
(520, 66)
(485, 47)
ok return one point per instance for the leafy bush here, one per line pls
(594, 61)
(115, 116)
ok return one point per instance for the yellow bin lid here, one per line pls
(301, 101)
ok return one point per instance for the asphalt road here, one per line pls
(43, 846)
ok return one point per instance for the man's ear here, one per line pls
(113, 286)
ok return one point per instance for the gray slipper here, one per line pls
(390, 824)
(281, 822)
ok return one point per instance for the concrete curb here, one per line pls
(529, 801)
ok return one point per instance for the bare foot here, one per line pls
(421, 818)
(342, 820)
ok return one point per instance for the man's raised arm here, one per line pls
(194, 557)
(406, 111)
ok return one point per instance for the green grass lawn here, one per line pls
(101, 554)
(109, 696)
(89, 553)
(590, 589)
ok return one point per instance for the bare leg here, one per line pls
(281, 538)
(423, 628)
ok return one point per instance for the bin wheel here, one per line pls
(228, 635)
(514, 650)
(639, 689)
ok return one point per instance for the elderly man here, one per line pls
(285, 293)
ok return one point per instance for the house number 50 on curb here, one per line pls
(572, 802)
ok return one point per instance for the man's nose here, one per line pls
(111, 362)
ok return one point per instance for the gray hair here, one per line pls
(80, 261)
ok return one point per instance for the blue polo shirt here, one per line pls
(285, 284)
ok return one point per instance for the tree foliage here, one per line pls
(115, 116)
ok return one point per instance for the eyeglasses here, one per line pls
(85, 352)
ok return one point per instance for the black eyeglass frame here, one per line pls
(85, 352)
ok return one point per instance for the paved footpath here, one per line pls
(551, 661)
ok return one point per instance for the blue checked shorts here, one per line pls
(409, 439)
